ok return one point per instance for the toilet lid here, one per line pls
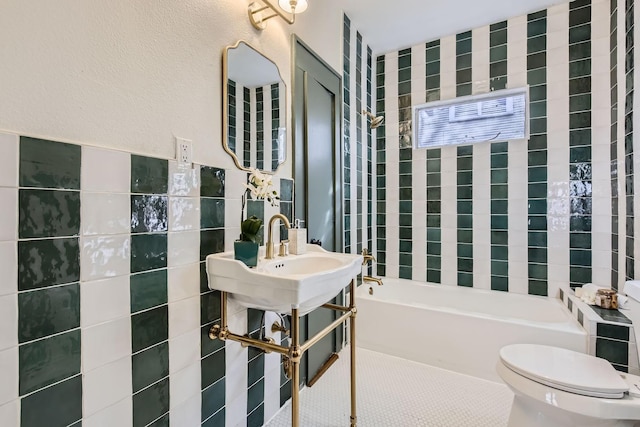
(564, 369)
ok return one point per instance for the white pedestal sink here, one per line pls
(280, 284)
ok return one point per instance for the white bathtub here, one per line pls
(459, 329)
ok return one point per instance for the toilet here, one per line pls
(556, 387)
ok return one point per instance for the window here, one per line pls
(496, 116)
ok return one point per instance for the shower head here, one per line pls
(374, 121)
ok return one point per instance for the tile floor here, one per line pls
(394, 392)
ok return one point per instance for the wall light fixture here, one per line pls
(286, 10)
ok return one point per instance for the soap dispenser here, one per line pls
(297, 238)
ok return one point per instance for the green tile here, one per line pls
(499, 161)
(499, 206)
(538, 109)
(161, 422)
(580, 68)
(465, 279)
(499, 237)
(49, 164)
(537, 239)
(432, 249)
(538, 93)
(537, 222)
(538, 287)
(256, 418)
(537, 142)
(48, 213)
(465, 207)
(212, 368)
(148, 252)
(499, 268)
(499, 222)
(498, 69)
(579, 154)
(579, 51)
(465, 250)
(536, 28)
(536, 44)
(212, 213)
(151, 403)
(255, 369)
(150, 366)
(149, 175)
(433, 165)
(149, 213)
(499, 191)
(613, 331)
(537, 158)
(580, 103)
(149, 328)
(580, 241)
(580, 275)
(56, 406)
(537, 174)
(581, 258)
(211, 242)
(612, 350)
(48, 311)
(464, 178)
(286, 190)
(209, 307)
(500, 253)
(537, 76)
(500, 283)
(148, 290)
(498, 53)
(537, 207)
(434, 276)
(538, 271)
(207, 345)
(405, 260)
(465, 221)
(44, 263)
(213, 399)
(48, 361)
(218, 419)
(499, 176)
(538, 255)
(434, 262)
(536, 60)
(434, 234)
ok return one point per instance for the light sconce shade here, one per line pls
(287, 11)
(375, 121)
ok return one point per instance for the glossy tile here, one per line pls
(149, 214)
(59, 405)
(48, 311)
(213, 399)
(9, 267)
(8, 214)
(211, 213)
(9, 321)
(149, 328)
(184, 385)
(148, 252)
(151, 403)
(104, 301)
(43, 263)
(105, 171)
(150, 366)
(183, 182)
(105, 343)
(211, 242)
(105, 256)
(148, 290)
(120, 414)
(255, 395)
(218, 419)
(9, 383)
(209, 307)
(48, 361)
(183, 248)
(186, 413)
(184, 316)
(183, 282)
(49, 164)
(184, 213)
(149, 175)
(212, 182)
(46, 213)
(286, 190)
(10, 413)
(106, 386)
(105, 213)
(9, 160)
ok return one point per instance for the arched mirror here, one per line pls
(254, 109)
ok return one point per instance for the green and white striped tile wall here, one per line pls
(357, 140)
(518, 216)
(105, 305)
(630, 122)
(615, 209)
(255, 121)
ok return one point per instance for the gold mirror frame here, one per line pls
(225, 106)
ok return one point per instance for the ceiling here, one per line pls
(392, 25)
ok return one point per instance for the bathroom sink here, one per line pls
(280, 284)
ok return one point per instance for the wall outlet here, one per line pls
(183, 151)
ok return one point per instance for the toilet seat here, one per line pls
(565, 370)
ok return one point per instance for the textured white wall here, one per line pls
(132, 75)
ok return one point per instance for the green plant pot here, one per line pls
(246, 252)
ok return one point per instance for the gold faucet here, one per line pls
(367, 257)
(372, 279)
(270, 245)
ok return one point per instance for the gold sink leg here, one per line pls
(294, 358)
(352, 339)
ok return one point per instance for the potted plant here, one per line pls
(259, 187)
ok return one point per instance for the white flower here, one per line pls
(260, 187)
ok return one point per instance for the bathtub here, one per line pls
(459, 329)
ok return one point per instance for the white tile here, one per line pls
(183, 181)
(236, 411)
(105, 256)
(9, 383)
(8, 214)
(187, 413)
(183, 248)
(9, 268)
(184, 351)
(184, 384)
(105, 170)
(104, 300)
(105, 343)
(184, 316)
(120, 414)
(183, 282)
(106, 385)
(9, 150)
(10, 414)
(8, 321)
(184, 213)
(105, 213)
